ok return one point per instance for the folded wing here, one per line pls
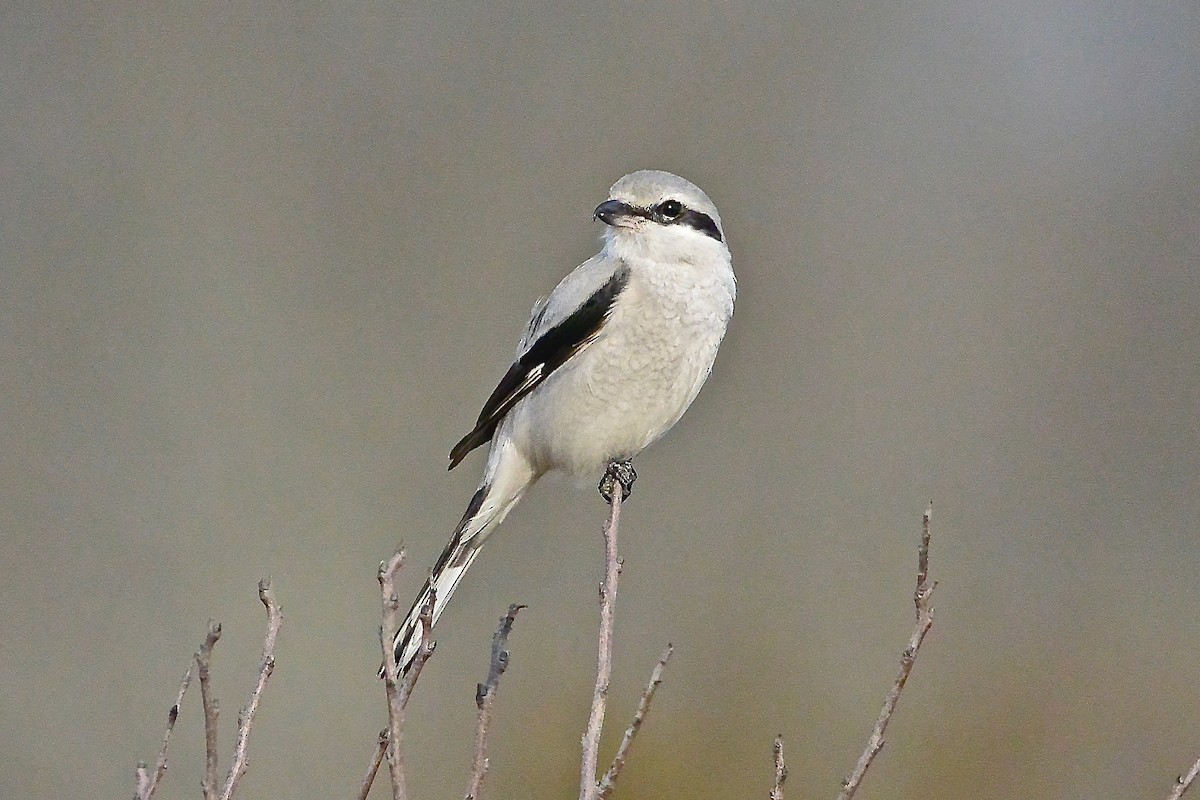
(551, 348)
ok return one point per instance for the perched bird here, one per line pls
(609, 361)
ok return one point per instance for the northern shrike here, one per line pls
(609, 361)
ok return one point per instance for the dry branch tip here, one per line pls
(924, 621)
(609, 781)
(781, 771)
(485, 698)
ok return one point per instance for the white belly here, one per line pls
(630, 385)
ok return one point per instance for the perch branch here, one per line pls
(924, 622)
(266, 667)
(1184, 782)
(211, 710)
(147, 782)
(485, 698)
(608, 783)
(588, 788)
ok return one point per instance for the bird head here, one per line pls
(662, 216)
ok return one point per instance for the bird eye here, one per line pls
(670, 209)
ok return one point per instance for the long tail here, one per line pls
(506, 481)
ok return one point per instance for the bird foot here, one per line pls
(618, 472)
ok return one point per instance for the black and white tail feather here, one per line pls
(609, 362)
(486, 510)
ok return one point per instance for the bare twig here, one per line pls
(485, 698)
(781, 771)
(399, 690)
(924, 622)
(267, 666)
(387, 632)
(608, 783)
(372, 770)
(147, 782)
(1184, 782)
(588, 788)
(211, 710)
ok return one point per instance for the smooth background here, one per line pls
(262, 263)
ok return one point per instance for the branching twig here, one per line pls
(368, 779)
(387, 633)
(780, 770)
(399, 690)
(614, 770)
(211, 710)
(1184, 782)
(485, 698)
(267, 666)
(924, 622)
(588, 788)
(147, 782)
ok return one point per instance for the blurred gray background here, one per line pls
(262, 263)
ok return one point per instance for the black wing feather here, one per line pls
(548, 353)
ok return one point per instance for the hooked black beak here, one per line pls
(610, 212)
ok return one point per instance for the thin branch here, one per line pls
(267, 666)
(373, 770)
(485, 698)
(588, 788)
(1184, 782)
(211, 710)
(924, 622)
(398, 689)
(387, 633)
(147, 783)
(608, 783)
(781, 771)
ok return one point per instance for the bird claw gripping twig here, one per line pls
(618, 472)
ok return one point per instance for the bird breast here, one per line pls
(631, 384)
